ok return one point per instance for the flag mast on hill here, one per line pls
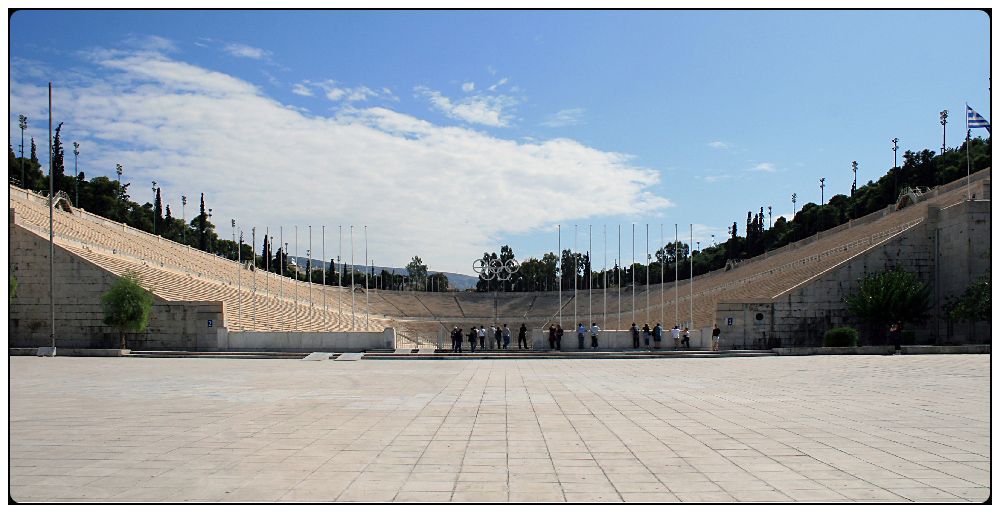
(972, 120)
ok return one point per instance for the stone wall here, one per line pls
(947, 251)
(331, 342)
(79, 284)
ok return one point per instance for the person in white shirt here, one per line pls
(593, 335)
(676, 334)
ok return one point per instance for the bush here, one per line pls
(909, 337)
(840, 337)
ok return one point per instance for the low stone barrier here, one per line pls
(33, 351)
(964, 349)
(808, 351)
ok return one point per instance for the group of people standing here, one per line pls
(556, 335)
(480, 333)
(681, 338)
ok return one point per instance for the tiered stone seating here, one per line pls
(260, 301)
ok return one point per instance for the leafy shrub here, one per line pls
(841, 337)
(909, 337)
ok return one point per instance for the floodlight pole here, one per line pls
(121, 191)
(154, 207)
(944, 123)
(184, 202)
(23, 123)
(52, 251)
(895, 172)
(76, 171)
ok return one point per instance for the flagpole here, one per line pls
(559, 245)
(663, 270)
(619, 267)
(968, 165)
(605, 273)
(691, 277)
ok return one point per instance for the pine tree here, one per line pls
(34, 156)
(158, 208)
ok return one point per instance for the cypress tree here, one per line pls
(202, 219)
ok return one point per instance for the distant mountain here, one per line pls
(455, 280)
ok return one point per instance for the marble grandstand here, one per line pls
(192, 287)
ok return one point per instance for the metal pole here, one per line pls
(23, 123)
(895, 172)
(677, 265)
(968, 165)
(253, 264)
(309, 283)
(154, 207)
(76, 174)
(633, 272)
(647, 272)
(559, 228)
(184, 202)
(590, 270)
(239, 282)
(691, 278)
(366, 281)
(605, 275)
(340, 273)
(352, 277)
(619, 267)
(575, 265)
(296, 277)
(52, 246)
(323, 274)
(281, 266)
(663, 271)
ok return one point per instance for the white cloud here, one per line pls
(720, 144)
(481, 109)
(195, 130)
(764, 166)
(565, 117)
(242, 50)
(347, 94)
(491, 70)
(468, 86)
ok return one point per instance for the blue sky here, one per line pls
(450, 133)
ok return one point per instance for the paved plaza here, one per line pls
(789, 429)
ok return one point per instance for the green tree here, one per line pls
(417, 271)
(973, 305)
(437, 282)
(889, 296)
(127, 304)
(202, 221)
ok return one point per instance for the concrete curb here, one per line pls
(33, 351)
(809, 351)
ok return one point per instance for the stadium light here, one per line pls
(154, 207)
(944, 122)
(76, 171)
(184, 202)
(23, 123)
(895, 172)
(120, 192)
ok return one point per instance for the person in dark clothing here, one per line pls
(645, 335)
(657, 336)
(456, 340)
(635, 336)
(522, 337)
(497, 335)
(715, 337)
(552, 336)
(472, 338)
(896, 336)
(559, 334)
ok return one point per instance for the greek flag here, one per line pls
(976, 121)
